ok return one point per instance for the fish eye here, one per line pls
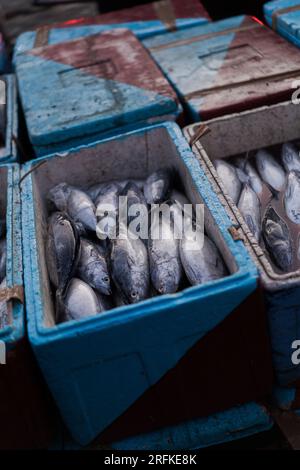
(133, 294)
(105, 279)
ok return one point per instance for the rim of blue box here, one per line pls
(14, 269)
(142, 29)
(284, 16)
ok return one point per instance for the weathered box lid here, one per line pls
(164, 12)
(227, 66)
(90, 85)
(144, 20)
(284, 16)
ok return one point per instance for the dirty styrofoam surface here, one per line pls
(10, 210)
(237, 134)
(284, 17)
(227, 66)
(143, 20)
(75, 91)
(141, 341)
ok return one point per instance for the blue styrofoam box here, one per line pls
(10, 205)
(142, 29)
(73, 92)
(284, 17)
(235, 423)
(98, 367)
(226, 66)
(229, 425)
(284, 397)
(8, 153)
(281, 290)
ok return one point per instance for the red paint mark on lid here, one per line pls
(72, 22)
(258, 20)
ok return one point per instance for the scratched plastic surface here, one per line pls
(8, 97)
(284, 17)
(75, 91)
(227, 66)
(131, 348)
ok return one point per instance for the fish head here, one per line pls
(58, 196)
(138, 288)
(101, 281)
(273, 229)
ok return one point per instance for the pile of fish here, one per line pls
(266, 189)
(92, 272)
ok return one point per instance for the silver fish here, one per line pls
(130, 266)
(163, 248)
(59, 195)
(92, 267)
(107, 221)
(250, 207)
(100, 189)
(270, 171)
(137, 182)
(292, 197)
(62, 249)
(137, 208)
(81, 209)
(201, 262)
(157, 186)
(76, 203)
(277, 238)
(230, 179)
(290, 157)
(248, 175)
(179, 198)
(4, 319)
(3, 252)
(105, 301)
(80, 301)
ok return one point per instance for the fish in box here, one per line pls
(90, 86)
(26, 414)
(284, 17)
(144, 20)
(8, 118)
(237, 135)
(201, 336)
(226, 66)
